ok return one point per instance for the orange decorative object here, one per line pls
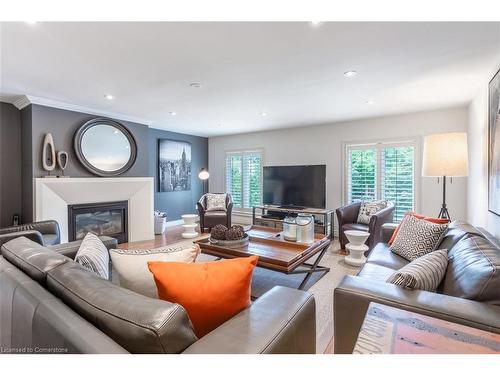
(434, 220)
(211, 292)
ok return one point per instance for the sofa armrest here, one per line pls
(281, 321)
(71, 248)
(354, 294)
(32, 235)
(387, 231)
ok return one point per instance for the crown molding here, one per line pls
(25, 100)
(21, 102)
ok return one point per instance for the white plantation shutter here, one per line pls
(361, 173)
(384, 170)
(244, 178)
(397, 175)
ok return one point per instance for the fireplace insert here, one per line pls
(103, 219)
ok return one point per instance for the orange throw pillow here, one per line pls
(211, 292)
(434, 220)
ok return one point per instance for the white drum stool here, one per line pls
(189, 226)
(356, 247)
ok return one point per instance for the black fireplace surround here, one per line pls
(103, 219)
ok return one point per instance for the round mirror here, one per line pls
(105, 147)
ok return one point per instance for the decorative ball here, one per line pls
(219, 232)
(236, 232)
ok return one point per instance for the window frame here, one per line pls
(379, 144)
(242, 152)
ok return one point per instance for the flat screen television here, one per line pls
(295, 186)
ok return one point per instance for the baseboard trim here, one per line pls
(174, 223)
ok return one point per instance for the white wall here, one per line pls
(477, 189)
(323, 145)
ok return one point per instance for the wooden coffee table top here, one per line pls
(388, 330)
(274, 252)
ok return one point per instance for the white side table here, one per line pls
(356, 247)
(189, 226)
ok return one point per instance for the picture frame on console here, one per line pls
(494, 145)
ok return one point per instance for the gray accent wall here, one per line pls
(10, 163)
(39, 120)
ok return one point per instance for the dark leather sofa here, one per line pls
(469, 293)
(45, 233)
(50, 304)
(347, 217)
(209, 219)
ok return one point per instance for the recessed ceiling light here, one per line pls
(263, 114)
(173, 113)
(109, 96)
(370, 102)
(31, 22)
(350, 74)
(316, 23)
(196, 85)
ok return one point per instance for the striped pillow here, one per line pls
(424, 273)
(93, 255)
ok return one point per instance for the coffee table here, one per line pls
(275, 253)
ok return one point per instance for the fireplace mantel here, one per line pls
(53, 195)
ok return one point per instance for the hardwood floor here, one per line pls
(171, 236)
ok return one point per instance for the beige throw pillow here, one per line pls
(130, 267)
(216, 202)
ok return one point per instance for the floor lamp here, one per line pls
(203, 176)
(445, 155)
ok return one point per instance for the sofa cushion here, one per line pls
(382, 255)
(474, 270)
(139, 324)
(355, 226)
(211, 292)
(375, 272)
(215, 214)
(32, 258)
(94, 255)
(417, 237)
(424, 273)
(131, 266)
(456, 231)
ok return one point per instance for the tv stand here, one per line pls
(273, 216)
(292, 207)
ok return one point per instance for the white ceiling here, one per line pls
(292, 71)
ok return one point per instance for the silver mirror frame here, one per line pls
(77, 144)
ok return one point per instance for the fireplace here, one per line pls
(103, 219)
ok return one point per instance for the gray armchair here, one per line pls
(45, 233)
(348, 215)
(209, 219)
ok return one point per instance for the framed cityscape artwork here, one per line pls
(174, 165)
(494, 145)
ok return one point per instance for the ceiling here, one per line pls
(291, 71)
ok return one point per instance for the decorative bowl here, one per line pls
(230, 243)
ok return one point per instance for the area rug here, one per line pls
(322, 289)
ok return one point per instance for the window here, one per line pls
(384, 170)
(244, 178)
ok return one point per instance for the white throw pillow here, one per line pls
(216, 202)
(424, 273)
(369, 208)
(130, 267)
(93, 255)
(417, 237)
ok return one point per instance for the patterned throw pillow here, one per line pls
(216, 202)
(131, 266)
(417, 237)
(367, 209)
(424, 273)
(93, 255)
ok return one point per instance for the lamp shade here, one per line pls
(203, 175)
(445, 155)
